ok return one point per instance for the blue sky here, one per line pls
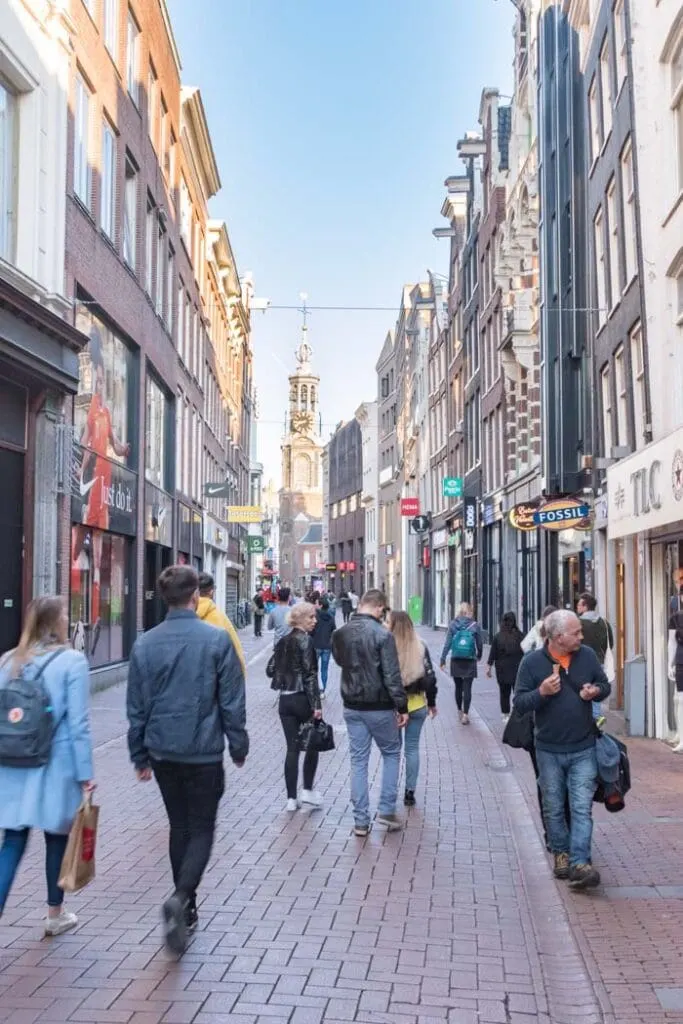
(335, 123)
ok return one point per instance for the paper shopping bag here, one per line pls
(78, 865)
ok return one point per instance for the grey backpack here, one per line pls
(26, 719)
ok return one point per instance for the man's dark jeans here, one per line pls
(191, 795)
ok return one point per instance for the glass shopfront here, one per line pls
(104, 493)
(99, 594)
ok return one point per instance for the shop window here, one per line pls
(101, 415)
(98, 603)
(156, 435)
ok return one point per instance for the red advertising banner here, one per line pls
(410, 507)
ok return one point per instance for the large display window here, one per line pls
(104, 493)
(99, 594)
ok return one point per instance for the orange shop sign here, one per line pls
(521, 517)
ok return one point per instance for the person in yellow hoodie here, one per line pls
(209, 612)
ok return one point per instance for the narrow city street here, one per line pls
(456, 919)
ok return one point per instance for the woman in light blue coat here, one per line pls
(47, 797)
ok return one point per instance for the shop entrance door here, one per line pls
(12, 546)
(573, 579)
(157, 558)
(620, 638)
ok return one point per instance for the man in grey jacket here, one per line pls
(375, 707)
(185, 694)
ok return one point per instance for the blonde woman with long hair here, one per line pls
(43, 795)
(419, 681)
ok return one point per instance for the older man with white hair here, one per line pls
(558, 682)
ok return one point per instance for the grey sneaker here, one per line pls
(361, 831)
(175, 924)
(392, 822)
(583, 876)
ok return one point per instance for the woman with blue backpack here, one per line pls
(46, 764)
(465, 644)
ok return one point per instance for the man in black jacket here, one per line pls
(185, 695)
(375, 707)
(558, 682)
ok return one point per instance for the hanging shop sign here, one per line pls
(452, 487)
(521, 517)
(255, 545)
(103, 492)
(563, 514)
(330, 567)
(244, 514)
(470, 513)
(410, 507)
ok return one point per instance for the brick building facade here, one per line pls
(154, 415)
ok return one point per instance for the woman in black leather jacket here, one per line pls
(295, 675)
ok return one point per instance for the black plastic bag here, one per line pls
(519, 731)
(316, 735)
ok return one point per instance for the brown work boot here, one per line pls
(561, 865)
(583, 876)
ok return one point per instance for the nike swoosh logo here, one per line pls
(86, 487)
(214, 490)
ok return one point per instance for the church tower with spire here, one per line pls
(301, 495)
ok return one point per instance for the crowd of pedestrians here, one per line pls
(186, 697)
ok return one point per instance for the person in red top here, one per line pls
(98, 437)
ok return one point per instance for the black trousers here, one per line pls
(295, 709)
(191, 795)
(463, 693)
(505, 694)
(258, 625)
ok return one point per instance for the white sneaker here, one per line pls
(311, 797)
(678, 749)
(505, 719)
(58, 925)
(292, 805)
(322, 695)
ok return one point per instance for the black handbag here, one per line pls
(519, 731)
(316, 735)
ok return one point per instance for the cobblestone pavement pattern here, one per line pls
(456, 919)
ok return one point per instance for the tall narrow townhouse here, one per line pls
(415, 446)
(645, 490)
(494, 119)
(388, 487)
(617, 326)
(447, 371)
(517, 271)
(467, 367)
(566, 367)
(229, 425)
(39, 343)
(435, 457)
(124, 253)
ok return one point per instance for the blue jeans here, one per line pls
(416, 720)
(364, 727)
(576, 775)
(324, 662)
(11, 853)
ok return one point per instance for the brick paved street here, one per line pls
(457, 919)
